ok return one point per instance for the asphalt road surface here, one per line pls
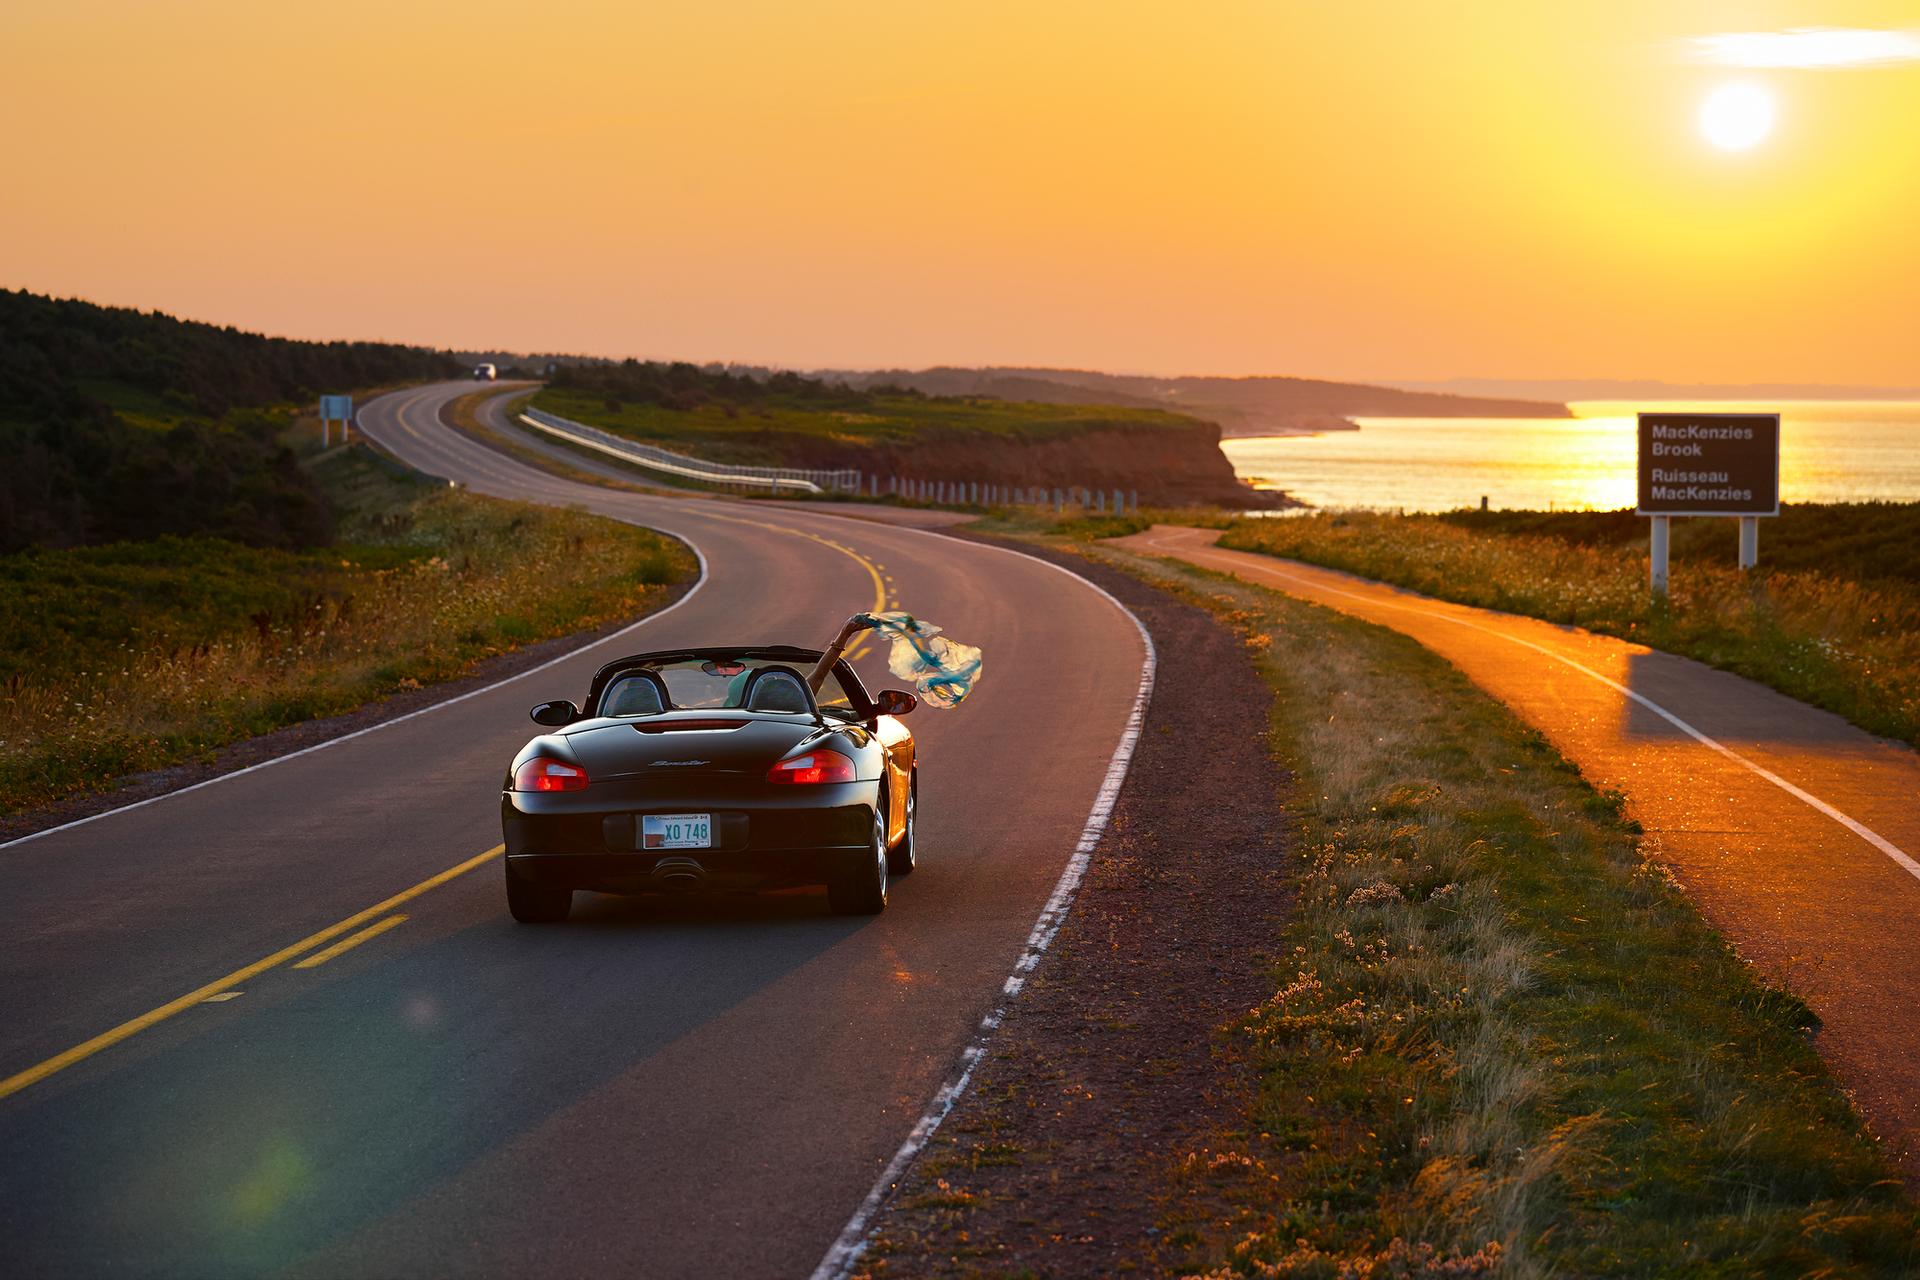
(1796, 833)
(658, 1088)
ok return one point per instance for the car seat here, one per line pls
(640, 694)
(778, 689)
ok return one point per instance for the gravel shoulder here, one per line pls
(1090, 1141)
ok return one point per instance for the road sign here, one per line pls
(1709, 464)
(334, 408)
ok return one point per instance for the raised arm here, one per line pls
(856, 624)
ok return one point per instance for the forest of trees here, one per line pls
(203, 459)
(688, 386)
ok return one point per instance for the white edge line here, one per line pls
(1872, 837)
(852, 1241)
(569, 655)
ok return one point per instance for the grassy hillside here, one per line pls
(1831, 617)
(1242, 406)
(788, 419)
(119, 424)
(132, 656)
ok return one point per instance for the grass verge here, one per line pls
(134, 656)
(463, 414)
(1504, 1043)
(1075, 525)
(772, 429)
(1850, 644)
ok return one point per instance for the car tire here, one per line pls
(531, 903)
(900, 859)
(862, 891)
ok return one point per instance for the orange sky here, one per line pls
(1361, 189)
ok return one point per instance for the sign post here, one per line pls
(331, 408)
(1657, 554)
(1707, 464)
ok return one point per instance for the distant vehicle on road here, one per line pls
(716, 769)
(485, 373)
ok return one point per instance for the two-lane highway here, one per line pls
(661, 1087)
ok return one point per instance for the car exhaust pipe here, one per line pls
(679, 874)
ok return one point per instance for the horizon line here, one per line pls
(1383, 383)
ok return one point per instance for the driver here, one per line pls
(739, 673)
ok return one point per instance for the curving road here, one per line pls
(659, 1088)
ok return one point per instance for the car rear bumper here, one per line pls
(685, 870)
(760, 842)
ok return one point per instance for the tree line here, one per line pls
(205, 461)
(681, 385)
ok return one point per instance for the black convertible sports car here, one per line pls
(712, 769)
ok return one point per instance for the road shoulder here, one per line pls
(1111, 1075)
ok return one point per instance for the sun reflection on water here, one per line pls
(1831, 451)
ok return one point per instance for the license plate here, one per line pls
(676, 831)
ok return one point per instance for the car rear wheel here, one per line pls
(531, 903)
(862, 891)
(900, 859)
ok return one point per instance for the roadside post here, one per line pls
(1707, 464)
(334, 408)
(1657, 554)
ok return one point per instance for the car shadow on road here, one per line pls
(621, 911)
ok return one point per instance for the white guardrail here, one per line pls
(654, 458)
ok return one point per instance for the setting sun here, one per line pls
(1737, 117)
(858, 183)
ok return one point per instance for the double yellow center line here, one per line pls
(133, 1026)
(349, 942)
(865, 642)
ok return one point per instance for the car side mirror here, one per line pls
(555, 714)
(895, 702)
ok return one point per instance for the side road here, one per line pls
(1797, 834)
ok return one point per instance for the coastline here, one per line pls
(1831, 452)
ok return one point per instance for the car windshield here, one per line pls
(713, 683)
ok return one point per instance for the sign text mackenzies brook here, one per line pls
(1709, 464)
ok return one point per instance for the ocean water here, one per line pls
(1830, 451)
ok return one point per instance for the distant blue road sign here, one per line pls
(336, 408)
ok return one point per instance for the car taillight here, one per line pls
(544, 773)
(815, 766)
